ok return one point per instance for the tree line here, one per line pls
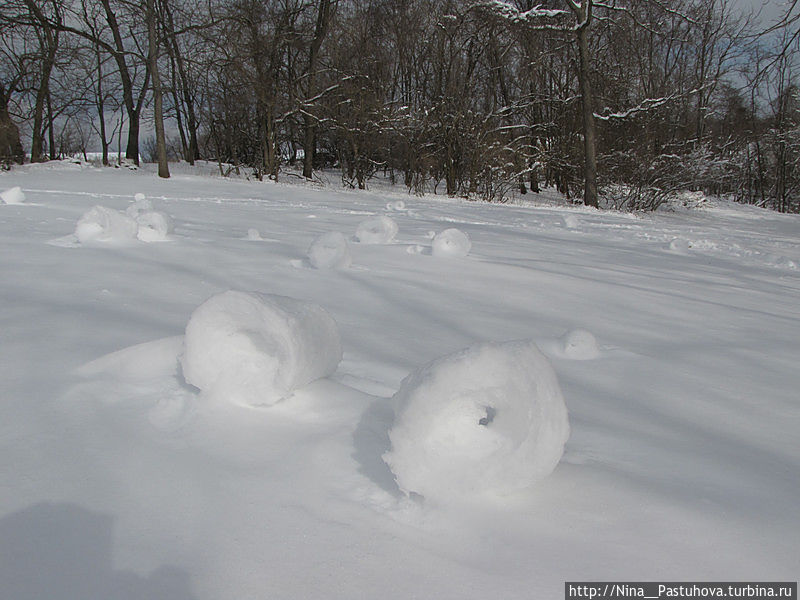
(617, 103)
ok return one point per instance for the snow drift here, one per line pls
(451, 242)
(13, 195)
(330, 251)
(255, 349)
(377, 230)
(489, 419)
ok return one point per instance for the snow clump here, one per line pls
(570, 221)
(451, 242)
(254, 235)
(255, 349)
(13, 195)
(330, 251)
(103, 224)
(579, 344)
(139, 205)
(377, 230)
(489, 419)
(154, 226)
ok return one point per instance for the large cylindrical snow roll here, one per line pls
(256, 349)
(103, 224)
(489, 419)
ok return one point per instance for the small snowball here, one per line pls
(254, 235)
(256, 349)
(579, 344)
(397, 205)
(330, 251)
(451, 242)
(377, 230)
(489, 419)
(140, 204)
(14, 195)
(154, 226)
(571, 221)
(102, 224)
(679, 246)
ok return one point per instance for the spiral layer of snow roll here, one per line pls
(255, 349)
(330, 251)
(13, 195)
(489, 419)
(451, 243)
(377, 230)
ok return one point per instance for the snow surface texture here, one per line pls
(255, 349)
(330, 251)
(451, 243)
(14, 195)
(103, 224)
(489, 419)
(377, 230)
(686, 428)
(579, 344)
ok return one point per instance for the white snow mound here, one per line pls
(255, 349)
(330, 251)
(377, 230)
(13, 195)
(103, 224)
(451, 242)
(254, 235)
(154, 226)
(571, 221)
(579, 344)
(489, 419)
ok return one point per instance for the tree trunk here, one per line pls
(37, 140)
(133, 109)
(51, 133)
(10, 144)
(309, 146)
(309, 123)
(132, 147)
(583, 13)
(158, 109)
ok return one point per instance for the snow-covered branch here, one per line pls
(534, 18)
(646, 105)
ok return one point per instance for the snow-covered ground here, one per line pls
(119, 480)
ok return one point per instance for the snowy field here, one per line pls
(120, 480)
